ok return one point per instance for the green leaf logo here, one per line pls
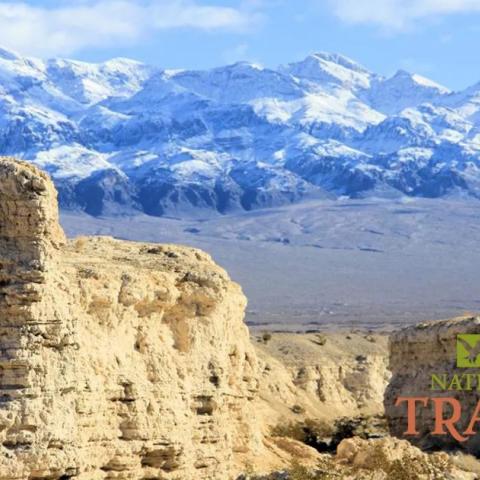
(468, 350)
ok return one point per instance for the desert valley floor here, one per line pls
(364, 263)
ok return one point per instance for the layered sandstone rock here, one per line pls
(301, 377)
(122, 360)
(118, 360)
(415, 354)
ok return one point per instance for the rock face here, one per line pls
(118, 360)
(391, 458)
(415, 354)
(316, 377)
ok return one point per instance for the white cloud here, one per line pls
(399, 14)
(74, 25)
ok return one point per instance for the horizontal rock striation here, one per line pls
(417, 353)
(118, 360)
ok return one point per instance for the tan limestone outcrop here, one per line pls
(391, 458)
(303, 377)
(122, 360)
(118, 360)
(416, 353)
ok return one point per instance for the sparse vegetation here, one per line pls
(266, 337)
(433, 467)
(325, 470)
(311, 432)
(300, 472)
(290, 430)
(370, 426)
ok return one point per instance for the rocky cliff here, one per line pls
(416, 354)
(325, 377)
(122, 360)
(118, 360)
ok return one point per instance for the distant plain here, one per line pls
(332, 264)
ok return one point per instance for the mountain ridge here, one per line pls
(121, 136)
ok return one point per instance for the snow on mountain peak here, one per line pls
(341, 60)
(243, 66)
(236, 137)
(402, 90)
(414, 78)
(239, 83)
(466, 103)
(122, 62)
(326, 68)
(91, 83)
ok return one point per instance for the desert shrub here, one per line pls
(434, 467)
(300, 472)
(380, 467)
(326, 469)
(311, 432)
(369, 426)
(290, 430)
(319, 429)
(266, 337)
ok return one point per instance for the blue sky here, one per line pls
(437, 38)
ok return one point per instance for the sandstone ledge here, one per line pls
(119, 360)
(123, 360)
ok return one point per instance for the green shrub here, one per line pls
(309, 431)
(266, 337)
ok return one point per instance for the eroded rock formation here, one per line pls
(417, 353)
(131, 361)
(118, 360)
(344, 377)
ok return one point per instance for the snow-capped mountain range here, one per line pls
(121, 136)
